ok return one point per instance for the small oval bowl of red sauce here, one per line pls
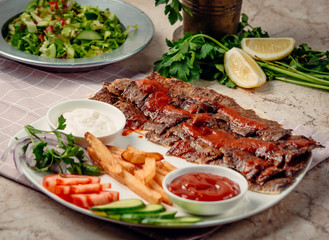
(205, 189)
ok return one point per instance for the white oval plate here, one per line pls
(136, 41)
(252, 203)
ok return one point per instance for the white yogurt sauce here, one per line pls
(82, 120)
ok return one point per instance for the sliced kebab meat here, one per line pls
(203, 126)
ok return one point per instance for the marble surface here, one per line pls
(303, 214)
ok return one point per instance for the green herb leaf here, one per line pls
(173, 9)
(70, 154)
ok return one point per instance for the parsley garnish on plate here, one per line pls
(62, 151)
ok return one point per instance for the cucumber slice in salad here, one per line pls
(89, 35)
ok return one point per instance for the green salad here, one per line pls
(65, 30)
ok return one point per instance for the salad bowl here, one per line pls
(136, 41)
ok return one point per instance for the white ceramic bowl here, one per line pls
(206, 208)
(112, 112)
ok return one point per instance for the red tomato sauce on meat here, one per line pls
(127, 132)
(204, 187)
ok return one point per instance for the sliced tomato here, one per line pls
(41, 37)
(21, 26)
(106, 185)
(115, 195)
(49, 182)
(64, 4)
(79, 200)
(62, 21)
(81, 188)
(53, 5)
(50, 28)
(77, 179)
(62, 190)
(93, 199)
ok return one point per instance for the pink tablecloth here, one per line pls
(27, 93)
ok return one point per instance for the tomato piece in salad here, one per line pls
(53, 5)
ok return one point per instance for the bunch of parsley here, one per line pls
(46, 156)
(199, 56)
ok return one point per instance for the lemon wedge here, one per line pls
(269, 49)
(242, 69)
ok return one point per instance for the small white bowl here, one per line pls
(112, 112)
(206, 208)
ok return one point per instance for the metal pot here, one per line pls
(213, 17)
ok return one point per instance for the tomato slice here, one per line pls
(81, 188)
(53, 5)
(77, 179)
(93, 199)
(50, 28)
(62, 21)
(49, 182)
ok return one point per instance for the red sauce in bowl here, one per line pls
(201, 186)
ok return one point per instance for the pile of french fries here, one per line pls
(142, 172)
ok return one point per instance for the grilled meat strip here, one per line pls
(226, 109)
(205, 127)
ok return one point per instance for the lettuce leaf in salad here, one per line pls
(54, 29)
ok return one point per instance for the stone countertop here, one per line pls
(303, 214)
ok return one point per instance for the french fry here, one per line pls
(142, 190)
(103, 153)
(157, 156)
(159, 178)
(126, 165)
(157, 187)
(168, 166)
(92, 155)
(139, 174)
(149, 169)
(160, 170)
(132, 182)
(132, 148)
(115, 150)
(102, 164)
(134, 157)
(135, 185)
(142, 172)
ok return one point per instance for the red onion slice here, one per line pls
(16, 149)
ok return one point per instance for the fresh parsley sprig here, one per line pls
(192, 57)
(173, 9)
(46, 155)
